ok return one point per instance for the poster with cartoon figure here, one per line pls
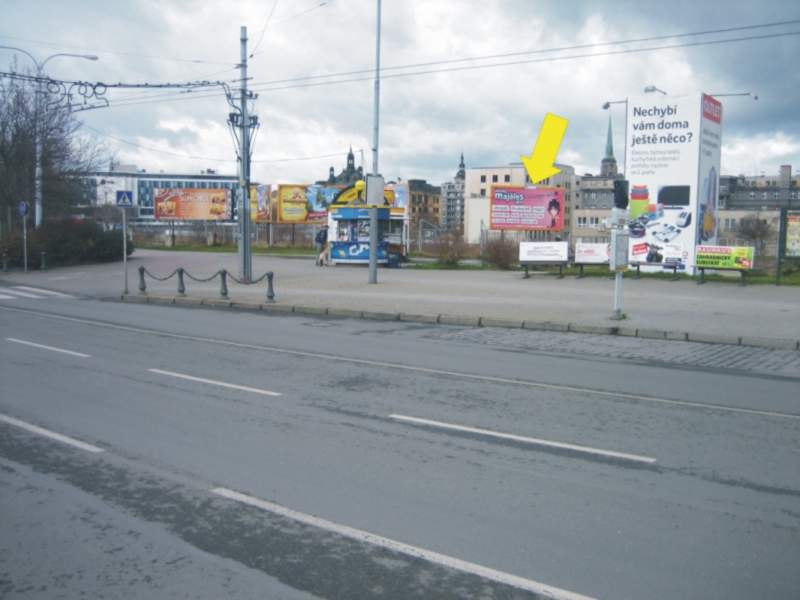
(527, 209)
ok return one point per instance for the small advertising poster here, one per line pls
(792, 242)
(260, 197)
(398, 193)
(302, 203)
(724, 257)
(544, 252)
(674, 254)
(658, 254)
(527, 209)
(592, 254)
(182, 204)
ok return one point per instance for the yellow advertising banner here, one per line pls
(182, 204)
(390, 194)
(304, 203)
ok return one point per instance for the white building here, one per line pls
(453, 199)
(128, 178)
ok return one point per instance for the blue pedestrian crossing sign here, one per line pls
(124, 199)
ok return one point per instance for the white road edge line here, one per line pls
(51, 434)
(376, 540)
(40, 291)
(213, 382)
(529, 440)
(20, 293)
(49, 348)
(359, 361)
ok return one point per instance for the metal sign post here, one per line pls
(619, 263)
(124, 200)
(23, 210)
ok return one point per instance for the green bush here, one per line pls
(65, 242)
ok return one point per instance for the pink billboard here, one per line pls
(529, 209)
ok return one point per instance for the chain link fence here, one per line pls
(211, 233)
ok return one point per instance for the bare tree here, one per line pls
(757, 230)
(67, 152)
(450, 247)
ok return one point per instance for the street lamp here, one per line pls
(37, 133)
(606, 106)
(751, 94)
(651, 88)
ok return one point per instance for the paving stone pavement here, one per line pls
(757, 360)
(724, 309)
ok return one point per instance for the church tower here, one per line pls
(461, 175)
(608, 166)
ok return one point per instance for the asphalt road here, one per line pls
(361, 459)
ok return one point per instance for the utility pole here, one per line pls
(375, 181)
(375, 121)
(38, 134)
(245, 257)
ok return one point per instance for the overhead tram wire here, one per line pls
(274, 160)
(190, 60)
(260, 37)
(261, 87)
(184, 82)
(565, 48)
(157, 149)
(264, 87)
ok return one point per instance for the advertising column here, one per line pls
(674, 149)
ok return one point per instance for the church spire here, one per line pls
(461, 169)
(609, 141)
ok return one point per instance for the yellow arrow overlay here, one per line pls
(540, 164)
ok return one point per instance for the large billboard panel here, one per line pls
(791, 243)
(526, 209)
(182, 204)
(260, 207)
(673, 147)
(303, 203)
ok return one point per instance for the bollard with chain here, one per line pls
(44, 268)
(270, 291)
(5, 263)
(181, 288)
(142, 286)
(223, 285)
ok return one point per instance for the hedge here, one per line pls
(65, 242)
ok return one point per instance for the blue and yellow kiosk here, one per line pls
(349, 223)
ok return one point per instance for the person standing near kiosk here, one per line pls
(322, 247)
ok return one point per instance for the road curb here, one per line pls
(462, 321)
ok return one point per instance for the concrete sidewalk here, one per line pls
(714, 312)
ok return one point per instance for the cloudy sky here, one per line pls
(490, 109)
